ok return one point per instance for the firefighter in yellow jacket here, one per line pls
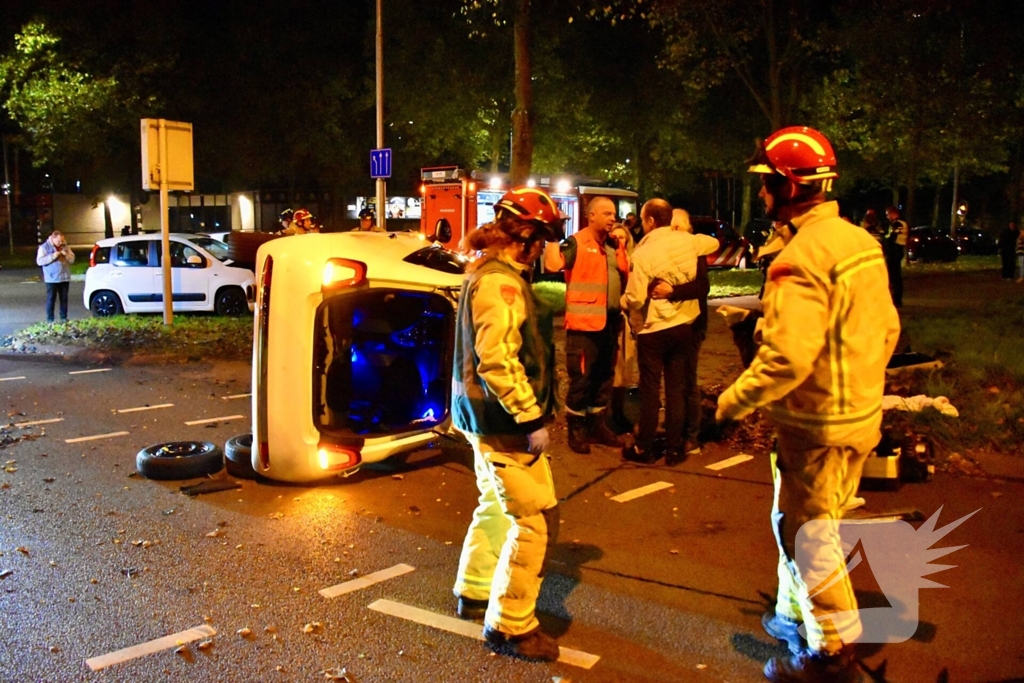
(829, 330)
(503, 391)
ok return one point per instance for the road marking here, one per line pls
(19, 425)
(97, 436)
(226, 398)
(89, 372)
(729, 462)
(135, 651)
(10, 379)
(468, 628)
(368, 580)
(135, 410)
(215, 419)
(642, 491)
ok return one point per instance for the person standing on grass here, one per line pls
(56, 257)
(1008, 249)
(1020, 256)
(895, 248)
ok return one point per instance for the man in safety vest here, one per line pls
(595, 269)
(895, 253)
(829, 329)
(503, 391)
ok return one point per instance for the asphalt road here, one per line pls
(23, 299)
(666, 587)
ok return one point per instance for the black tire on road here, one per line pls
(179, 460)
(231, 301)
(238, 456)
(105, 303)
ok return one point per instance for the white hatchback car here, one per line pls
(125, 276)
(352, 350)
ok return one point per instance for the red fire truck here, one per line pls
(467, 201)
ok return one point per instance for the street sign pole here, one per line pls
(381, 182)
(165, 230)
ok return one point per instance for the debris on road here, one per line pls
(5, 573)
(313, 627)
(337, 674)
(245, 632)
(210, 486)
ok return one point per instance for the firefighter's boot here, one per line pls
(535, 646)
(600, 433)
(808, 666)
(578, 433)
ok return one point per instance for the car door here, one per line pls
(131, 275)
(189, 277)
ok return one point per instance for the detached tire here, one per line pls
(179, 460)
(238, 456)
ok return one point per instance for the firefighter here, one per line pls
(503, 392)
(596, 268)
(829, 329)
(284, 220)
(368, 221)
(896, 253)
(302, 223)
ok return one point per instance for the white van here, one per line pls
(125, 276)
(352, 350)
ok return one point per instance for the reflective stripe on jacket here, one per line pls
(829, 330)
(503, 372)
(593, 283)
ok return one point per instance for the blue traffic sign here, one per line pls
(380, 163)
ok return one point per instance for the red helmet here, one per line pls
(302, 215)
(531, 204)
(799, 153)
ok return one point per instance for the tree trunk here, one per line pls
(745, 207)
(522, 115)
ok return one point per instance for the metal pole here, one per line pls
(165, 239)
(381, 183)
(7, 195)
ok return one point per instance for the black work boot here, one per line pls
(578, 433)
(808, 666)
(783, 629)
(600, 433)
(535, 645)
(471, 610)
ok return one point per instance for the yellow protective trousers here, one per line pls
(813, 483)
(514, 525)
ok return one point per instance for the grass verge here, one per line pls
(190, 337)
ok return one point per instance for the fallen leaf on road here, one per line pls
(276, 515)
(22, 549)
(314, 627)
(5, 573)
(336, 674)
(205, 644)
(244, 632)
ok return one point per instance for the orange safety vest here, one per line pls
(586, 283)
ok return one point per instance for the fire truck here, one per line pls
(466, 201)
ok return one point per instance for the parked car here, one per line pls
(352, 358)
(733, 251)
(125, 276)
(928, 244)
(975, 242)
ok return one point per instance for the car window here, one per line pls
(217, 249)
(439, 259)
(134, 253)
(180, 253)
(101, 255)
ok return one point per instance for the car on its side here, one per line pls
(353, 348)
(925, 243)
(734, 251)
(125, 276)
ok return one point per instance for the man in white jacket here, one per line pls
(666, 343)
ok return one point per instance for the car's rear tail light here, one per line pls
(334, 458)
(342, 272)
(92, 255)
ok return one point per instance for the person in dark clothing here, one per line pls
(1008, 249)
(895, 248)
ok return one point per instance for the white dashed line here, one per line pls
(89, 372)
(729, 462)
(10, 379)
(215, 419)
(642, 491)
(96, 437)
(19, 425)
(468, 629)
(135, 410)
(173, 640)
(368, 580)
(228, 398)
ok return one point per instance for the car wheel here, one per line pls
(231, 301)
(238, 456)
(179, 460)
(105, 304)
